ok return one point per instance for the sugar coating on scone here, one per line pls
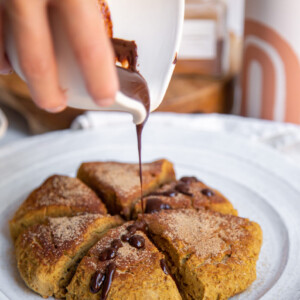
(47, 254)
(57, 196)
(188, 192)
(119, 183)
(138, 272)
(212, 256)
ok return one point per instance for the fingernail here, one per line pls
(105, 102)
(56, 109)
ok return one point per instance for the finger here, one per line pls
(5, 67)
(92, 48)
(35, 52)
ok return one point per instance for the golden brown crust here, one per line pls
(119, 183)
(138, 272)
(213, 256)
(47, 254)
(57, 196)
(200, 196)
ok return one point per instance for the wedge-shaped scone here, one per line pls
(123, 270)
(188, 192)
(58, 196)
(119, 183)
(212, 256)
(47, 254)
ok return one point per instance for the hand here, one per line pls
(85, 28)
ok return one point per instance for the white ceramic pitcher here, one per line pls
(154, 25)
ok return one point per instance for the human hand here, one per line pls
(85, 29)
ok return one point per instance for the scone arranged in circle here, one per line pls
(119, 183)
(124, 264)
(48, 254)
(57, 196)
(212, 256)
(188, 192)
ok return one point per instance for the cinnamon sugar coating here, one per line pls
(119, 183)
(212, 256)
(138, 271)
(57, 196)
(198, 196)
(47, 254)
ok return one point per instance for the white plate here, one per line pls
(260, 183)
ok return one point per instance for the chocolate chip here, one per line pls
(131, 229)
(137, 241)
(116, 244)
(96, 282)
(154, 205)
(187, 179)
(107, 254)
(208, 192)
(183, 188)
(125, 237)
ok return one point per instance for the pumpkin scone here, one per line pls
(58, 196)
(188, 192)
(123, 265)
(118, 184)
(212, 256)
(48, 254)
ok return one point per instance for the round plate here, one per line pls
(261, 184)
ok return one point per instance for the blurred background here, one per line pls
(236, 57)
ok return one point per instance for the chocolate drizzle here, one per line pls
(125, 51)
(109, 275)
(164, 266)
(96, 282)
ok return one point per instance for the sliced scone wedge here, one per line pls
(188, 192)
(58, 196)
(48, 254)
(124, 264)
(118, 184)
(211, 255)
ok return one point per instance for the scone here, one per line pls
(212, 256)
(119, 183)
(57, 196)
(188, 192)
(123, 265)
(47, 254)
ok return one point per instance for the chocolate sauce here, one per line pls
(126, 51)
(208, 192)
(96, 282)
(164, 266)
(133, 85)
(154, 205)
(109, 275)
(137, 241)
